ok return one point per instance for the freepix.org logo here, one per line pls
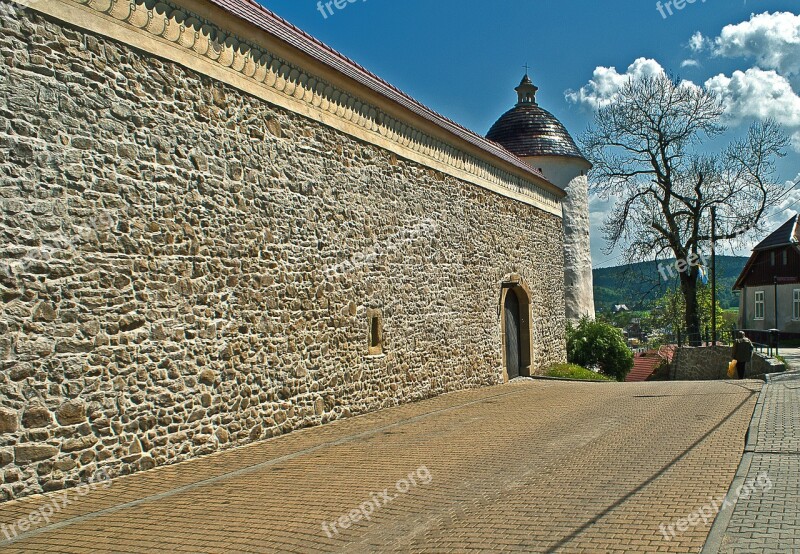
(63, 245)
(669, 7)
(329, 7)
(364, 511)
(42, 515)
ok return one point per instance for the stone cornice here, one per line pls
(174, 32)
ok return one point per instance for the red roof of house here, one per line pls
(281, 29)
(643, 367)
(645, 364)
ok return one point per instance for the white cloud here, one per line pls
(772, 40)
(690, 63)
(698, 42)
(788, 207)
(780, 214)
(607, 81)
(756, 93)
(751, 94)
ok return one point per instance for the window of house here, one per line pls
(759, 304)
(796, 305)
(785, 257)
(772, 257)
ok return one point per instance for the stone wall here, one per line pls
(185, 267)
(711, 364)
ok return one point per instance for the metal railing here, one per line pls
(765, 341)
(724, 338)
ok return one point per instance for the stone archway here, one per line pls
(515, 321)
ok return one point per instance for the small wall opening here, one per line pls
(375, 333)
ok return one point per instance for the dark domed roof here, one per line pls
(528, 130)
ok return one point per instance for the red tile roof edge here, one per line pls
(267, 21)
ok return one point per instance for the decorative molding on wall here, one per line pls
(172, 32)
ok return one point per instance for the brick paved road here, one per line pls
(767, 521)
(526, 467)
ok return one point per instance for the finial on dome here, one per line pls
(526, 90)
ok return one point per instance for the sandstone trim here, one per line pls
(174, 33)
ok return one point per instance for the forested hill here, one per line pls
(638, 285)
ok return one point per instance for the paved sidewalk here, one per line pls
(792, 357)
(767, 521)
(527, 467)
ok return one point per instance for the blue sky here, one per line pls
(463, 58)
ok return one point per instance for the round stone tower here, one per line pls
(536, 136)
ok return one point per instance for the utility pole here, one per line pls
(776, 302)
(714, 276)
(774, 336)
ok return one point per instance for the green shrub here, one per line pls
(599, 345)
(572, 371)
(662, 372)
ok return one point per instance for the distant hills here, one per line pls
(638, 285)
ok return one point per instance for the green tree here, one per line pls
(704, 301)
(598, 344)
(668, 314)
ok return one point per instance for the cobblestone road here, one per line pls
(526, 467)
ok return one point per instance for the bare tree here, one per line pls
(647, 151)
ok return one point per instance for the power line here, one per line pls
(602, 264)
(787, 194)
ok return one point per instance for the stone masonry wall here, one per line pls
(711, 364)
(184, 268)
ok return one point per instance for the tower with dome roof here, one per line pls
(537, 137)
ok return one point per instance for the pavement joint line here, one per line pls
(736, 384)
(686, 395)
(248, 469)
(597, 517)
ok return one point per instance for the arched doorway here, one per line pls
(515, 321)
(512, 317)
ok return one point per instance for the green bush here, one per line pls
(662, 372)
(572, 371)
(595, 344)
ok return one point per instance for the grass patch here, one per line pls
(572, 371)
